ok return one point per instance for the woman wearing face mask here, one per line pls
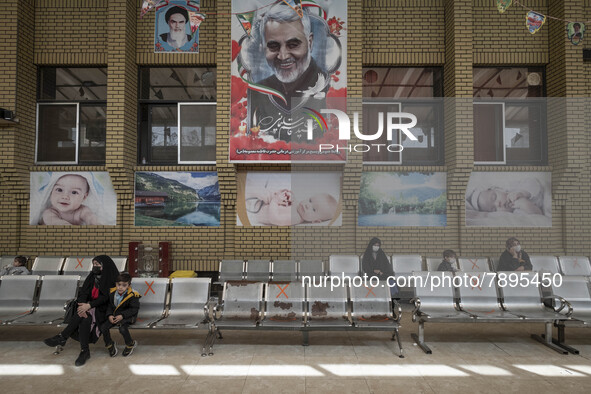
(93, 300)
(513, 258)
(375, 262)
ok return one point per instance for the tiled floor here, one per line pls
(488, 358)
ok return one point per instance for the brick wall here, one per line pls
(454, 34)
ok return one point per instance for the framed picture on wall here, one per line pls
(72, 199)
(398, 199)
(177, 199)
(509, 199)
(289, 199)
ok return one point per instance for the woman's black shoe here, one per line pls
(81, 360)
(57, 340)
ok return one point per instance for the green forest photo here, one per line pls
(393, 199)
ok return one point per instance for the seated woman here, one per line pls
(513, 258)
(374, 262)
(93, 300)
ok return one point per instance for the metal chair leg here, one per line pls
(561, 339)
(547, 340)
(397, 335)
(420, 339)
(305, 338)
(206, 342)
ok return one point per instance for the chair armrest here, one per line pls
(218, 309)
(563, 303)
(398, 311)
(67, 303)
(207, 312)
(417, 302)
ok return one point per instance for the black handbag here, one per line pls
(71, 307)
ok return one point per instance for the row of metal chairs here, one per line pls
(481, 300)
(55, 265)
(293, 306)
(165, 303)
(183, 303)
(402, 265)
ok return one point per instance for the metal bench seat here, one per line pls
(284, 306)
(575, 265)
(436, 302)
(289, 306)
(153, 301)
(56, 290)
(258, 270)
(404, 266)
(478, 297)
(47, 265)
(16, 296)
(576, 290)
(371, 309)
(120, 262)
(78, 265)
(520, 304)
(545, 264)
(284, 270)
(471, 264)
(241, 305)
(527, 301)
(343, 265)
(188, 303)
(311, 268)
(327, 307)
(6, 260)
(231, 270)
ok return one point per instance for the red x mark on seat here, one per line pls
(474, 263)
(576, 263)
(477, 282)
(149, 288)
(370, 291)
(79, 263)
(282, 291)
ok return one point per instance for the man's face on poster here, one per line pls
(287, 49)
(176, 23)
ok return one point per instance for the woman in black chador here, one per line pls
(374, 261)
(93, 300)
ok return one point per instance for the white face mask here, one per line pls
(375, 248)
(518, 248)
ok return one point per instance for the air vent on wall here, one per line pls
(586, 54)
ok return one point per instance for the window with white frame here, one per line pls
(71, 115)
(415, 90)
(177, 115)
(509, 116)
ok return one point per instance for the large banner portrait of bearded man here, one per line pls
(288, 64)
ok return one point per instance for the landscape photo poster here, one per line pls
(177, 199)
(397, 199)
